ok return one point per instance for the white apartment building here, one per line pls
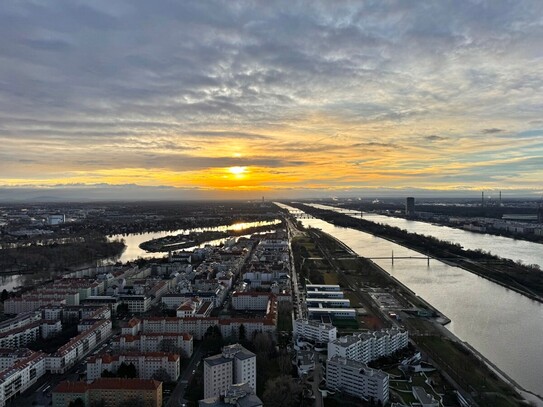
(314, 331)
(252, 300)
(322, 287)
(328, 303)
(19, 321)
(340, 313)
(147, 364)
(20, 375)
(197, 326)
(133, 327)
(50, 328)
(233, 366)
(69, 354)
(325, 294)
(137, 304)
(370, 345)
(173, 301)
(8, 357)
(21, 305)
(155, 342)
(357, 379)
(20, 337)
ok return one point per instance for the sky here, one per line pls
(223, 99)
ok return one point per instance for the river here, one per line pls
(133, 251)
(504, 326)
(133, 240)
(506, 247)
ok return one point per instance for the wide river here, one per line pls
(527, 252)
(504, 326)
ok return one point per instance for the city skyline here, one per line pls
(291, 99)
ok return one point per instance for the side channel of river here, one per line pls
(133, 251)
(505, 327)
(133, 240)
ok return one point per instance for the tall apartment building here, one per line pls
(357, 379)
(370, 345)
(314, 331)
(233, 366)
(410, 206)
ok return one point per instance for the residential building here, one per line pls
(156, 342)
(252, 300)
(147, 364)
(137, 304)
(69, 354)
(237, 395)
(370, 345)
(110, 392)
(322, 287)
(20, 373)
(233, 366)
(357, 379)
(314, 331)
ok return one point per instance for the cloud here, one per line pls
(491, 131)
(199, 86)
(434, 137)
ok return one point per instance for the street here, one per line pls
(177, 397)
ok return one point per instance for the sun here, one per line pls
(238, 171)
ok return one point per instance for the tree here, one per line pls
(4, 296)
(78, 402)
(127, 371)
(162, 375)
(167, 345)
(107, 373)
(282, 391)
(284, 363)
(122, 309)
(242, 333)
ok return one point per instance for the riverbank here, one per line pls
(507, 273)
(195, 238)
(475, 380)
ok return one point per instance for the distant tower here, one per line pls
(410, 207)
(500, 198)
(482, 199)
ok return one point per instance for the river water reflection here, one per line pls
(504, 326)
(133, 240)
(527, 252)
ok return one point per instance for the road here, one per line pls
(292, 231)
(177, 398)
(317, 377)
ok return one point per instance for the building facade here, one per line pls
(233, 366)
(314, 331)
(370, 345)
(357, 379)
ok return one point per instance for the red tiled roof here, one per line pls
(71, 387)
(124, 384)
